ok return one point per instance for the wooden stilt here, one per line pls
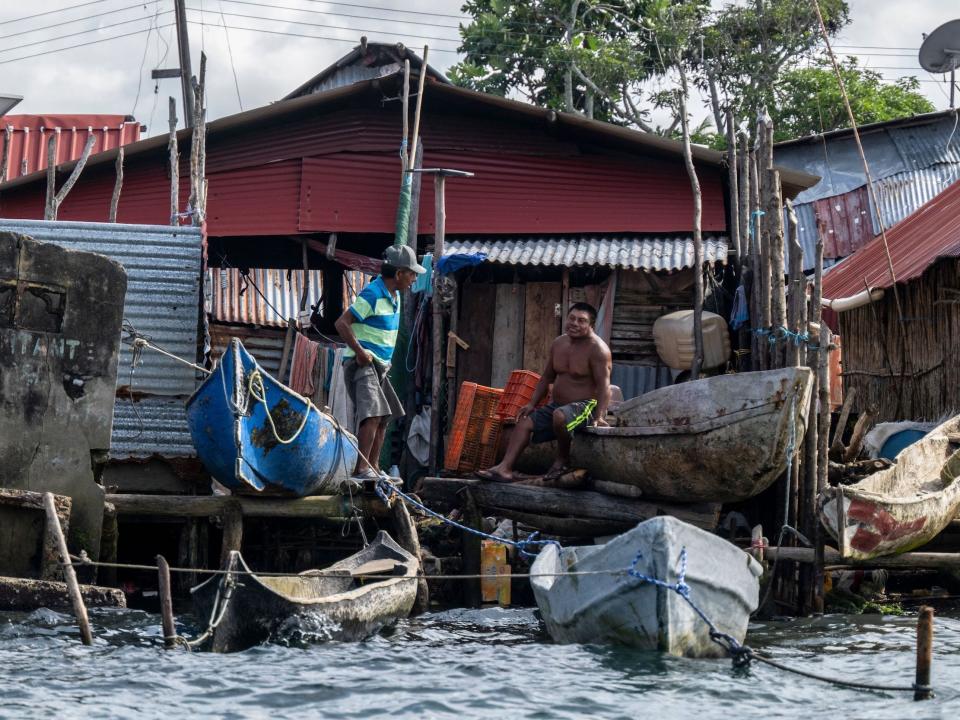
(471, 550)
(924, 654)
(232, 531)
(409, 540)
(166, 603)
(73, 587)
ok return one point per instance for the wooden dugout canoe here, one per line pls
(901, 507)
(333, 604)
(720, 439)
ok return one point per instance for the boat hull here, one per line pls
(242, 449)
(317, 606)
(721, 439)
(620, 609)
(902, 507)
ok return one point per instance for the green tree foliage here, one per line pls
(575, 55)
(808, 100)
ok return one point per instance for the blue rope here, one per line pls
(753, 225)
(741, 653)
(775, 335)
(385, 489)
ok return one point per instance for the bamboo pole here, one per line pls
(924, 654)
(416, 118)
(778, 312)
(166, 603)
(73, 587)
(763, 263)
(174, 156)
(405, 95)
(117, 186)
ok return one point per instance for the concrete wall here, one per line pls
(60, 321)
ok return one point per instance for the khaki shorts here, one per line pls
(371, 391)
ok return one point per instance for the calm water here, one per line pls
(461, 664)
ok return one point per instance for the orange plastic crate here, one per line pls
(472, 442)
(518, 393)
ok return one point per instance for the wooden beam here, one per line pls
(905, 561)
(332, 507)
(117, 187)
(27, 594)
(570, 503)
(174, 159)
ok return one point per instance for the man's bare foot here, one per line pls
(495, 474)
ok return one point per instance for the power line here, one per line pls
(380, 7)
(81, 32)
(52, 12)
(233, 67)
(79, 45)
(70, 22)
(330, 27)
(342, 14)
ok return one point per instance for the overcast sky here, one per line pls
(110, 74)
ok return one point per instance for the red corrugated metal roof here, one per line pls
(932, 232)
(28, 143)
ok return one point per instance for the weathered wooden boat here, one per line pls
(622, 609)
(295, 449)
(334, 604)
(901, 507)
(720, 439)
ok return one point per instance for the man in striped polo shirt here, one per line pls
(369, 328)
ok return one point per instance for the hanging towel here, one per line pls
(303, 365)
(418, 439)
(341, 406)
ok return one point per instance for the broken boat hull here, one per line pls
(901, 507)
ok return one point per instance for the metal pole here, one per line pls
(439, 189)
(183, 43)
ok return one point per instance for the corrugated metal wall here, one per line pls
(163, 302)
(233, 300)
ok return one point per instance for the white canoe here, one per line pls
(902, 507)
(621, 609)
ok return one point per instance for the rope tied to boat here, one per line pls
(258, 392)
(386, 490)
(740, 654)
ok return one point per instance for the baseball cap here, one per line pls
(403, 256)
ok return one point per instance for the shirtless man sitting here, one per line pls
(579, 369)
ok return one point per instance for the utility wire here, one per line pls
(52, 12)
(80, 45)
(342, 14)
(70, 22)
(83, 32)
(233, 67)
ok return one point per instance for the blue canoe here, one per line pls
(295, 450)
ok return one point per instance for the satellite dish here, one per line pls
(940, 52)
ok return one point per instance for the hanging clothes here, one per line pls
(303, 365)
(341, 406)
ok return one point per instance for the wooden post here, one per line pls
(820, 430)
(471, 550)
(50, 206)
(288, 341)
(117, 186)
(305, 293)
(836, 445)
(405, 96)
(409, 540)
(109, 536)
(735, 240)
(73, 587)
(922, 690)
(863, 424)
(232, 520)
(841, 522)
(5, 156)
(166, 603)
(697, 233)
(778, 304)
(762, 274)
(451, 354)
(198, 148)
(796, 354)
(440, 213)
(174, 165)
